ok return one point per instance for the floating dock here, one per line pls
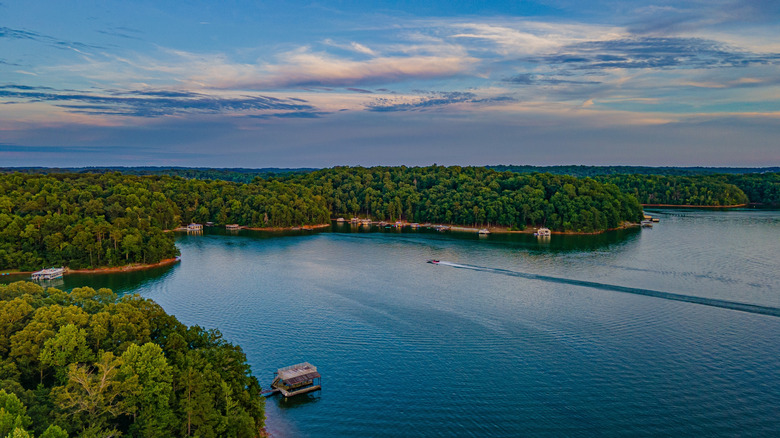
(48, 274)
(296, 379)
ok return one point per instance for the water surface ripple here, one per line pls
(732, 305)
(411, 349)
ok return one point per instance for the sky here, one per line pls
(328, 83)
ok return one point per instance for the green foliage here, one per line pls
(763, 188)
(83, 221)
(151, 395)
(89, 363)
(13, 414)
(710, 190)
(593, 171)
(110, 219)
(472, 196)
(54, 431)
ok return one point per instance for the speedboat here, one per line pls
(433, 261)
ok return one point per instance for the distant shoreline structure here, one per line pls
(694, 206)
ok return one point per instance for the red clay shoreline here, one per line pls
(125, 268)
(110, 269)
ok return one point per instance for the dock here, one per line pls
(48, 274)
(295, 380)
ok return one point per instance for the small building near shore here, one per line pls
(297, 379)
(194, 227)
(232, 226)
(543, 232)
(48, 274)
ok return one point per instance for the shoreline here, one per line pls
(125, 268)
(693, 206)
(108, 269)
(297, 228)
(244, 227)
(506, 230)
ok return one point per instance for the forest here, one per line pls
(111, 219)
(89, 363)
(472, 196)
(679, 190)
(88, 220)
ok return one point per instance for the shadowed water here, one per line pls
(408, 348)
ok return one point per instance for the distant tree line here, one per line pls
(593, 171)
(472, 196)
(88, 363)
(111, 219)
(241, 175)
(759, 188)
(712, 190)
(706, 190)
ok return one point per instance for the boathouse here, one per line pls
(194, 227)
(48, 274)
(232, 226)
(297, 379)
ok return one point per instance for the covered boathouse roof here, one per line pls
(301, 372)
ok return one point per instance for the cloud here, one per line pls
(122, 32)
(528, 37)
(352, 47)
(429, 100)
(148, 103)
(303, 68)
(534, 79)
(693, 16)
(18, 34)
(290, 115)
(655, 53)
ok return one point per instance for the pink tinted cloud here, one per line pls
(303, 68)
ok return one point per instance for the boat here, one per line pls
(484, 231)
(433, 261)
(543, 232)
(647, 224)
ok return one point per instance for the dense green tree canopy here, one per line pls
(89, 363)
(709, 190)
(111, 219)
(472, 196)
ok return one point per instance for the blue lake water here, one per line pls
(477, 346)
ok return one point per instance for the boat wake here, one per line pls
(713, 302)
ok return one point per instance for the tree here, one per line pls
(151, 397)
(95, 394)
(13, 414)
(68, 346)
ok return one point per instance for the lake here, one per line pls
(502, 338)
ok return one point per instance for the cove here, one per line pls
(407, 348)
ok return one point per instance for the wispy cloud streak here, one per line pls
(147, 103)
